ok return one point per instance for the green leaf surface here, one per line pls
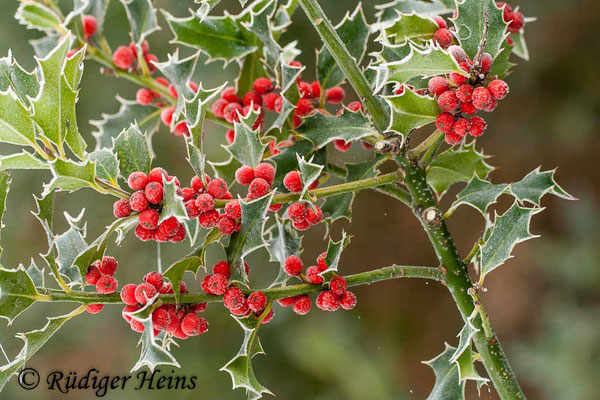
(349, 126)
(283, 241)
(195, 112)
(411, 111)
(107, 165)
(456, 165)
(45, 214)
(24, 84)
(479, 194)
(535, 185)
(388, 12)
(309, 173)
(414, 27)
(37, 16)
(179, 72)
(172, 202)
(447, 382)
(176, 271)
(520, 45)
(247, 147)
(70, 176)
(68, 246)
(36, 275)
(142, 18)
(333, 255)
(353, 30)
(23, 160)
(16, 126)
(17, 292)
(133, 151)
(261, 25)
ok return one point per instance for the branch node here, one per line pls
(432, 216)
(392, 146)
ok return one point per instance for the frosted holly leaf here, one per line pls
(133, 151)
(535, 185)
(45, 214)
(152, 354)
(279, 124)
(479, 194)
(465, 337)
(111, 125)
(287, 160)
(411, 111)
(33, 341)
(388, 12)
(72, 21)
(195, 112)
(71, 176)
(16, 126)
(463, 355)
(282, 243)
(456, 165)
(5, 181)
(509, 229)
(333, 255)
(353, 31)
(322, 129)
(107, 165)
(17, 293)
(24, 84)
(413, 27)
(176, 271)
(502, 64)
(247, 147)
(196, 158)
(447, 382)
(68, 246)
(38, 16)
(309, 173)
(44, 45)
(287, 79)
(520, 46)
(23, 160)
(179, 72)
(470, 26)
(432, 61)
(142, 18)
(36, 274)
(172, 203)
(261, 25)
(220, 38)
(250, 237)
(240, 367)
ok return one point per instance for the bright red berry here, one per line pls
(242, 311)
(348, 301)
(335, 95)
(257, 301)
(169, 227)
(92, 275)
(313, 216)
(230, 94)
(217, 188)
(166, 115)
(265, 171)
(286, 302)
(438, 85)
(149, 219)
(297, 212)
(138, 201)
(94, 308)
(464, 92)
(181, 129)
(234, 299)
(218, 108)
(269, 100)
(161, 318)
(108, 265)
(301, 225)
(154, 278)
(338, 285)
(517, 22)
(90, 26)
(321, 261)
(121, 208)
(123, 57)
(154, 192)
(106, 284)
(443, 37)
(231, 112)
(262, 85)
(137, 180)
(222, 267)
(462, 126)
(448, 101)
(144, 96)
(205, 202)
(258, 188)
(342, 145)
(226, 225)
(230, 136)
(315, 88)
(302, 305)
(193, 325)
(441, 22)
(467, 108)
(144, 292)
(328, 301)
(191, 208)
(157, 174)
(452, 138)
(312, 275)
(445, 122)
(293, 266)
(233, 209)
(128, 294)
(293, 182)
(482, 98)
(478, 126)
(498, 89)
(268, 317)
(217, 284)
(209, 219)
(355, 106)
(197, 184)
(179, 235)
(144, 234)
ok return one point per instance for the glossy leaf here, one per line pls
(348, 126)
(107, 165)
(333, 255)
(17, 292)
(23, 160)
(411, 111)
(37, 16)
(247, 147)
(71, 176)
(179, 72)
(414, 27)
(283, 241)
(133, 151)
(23, 83)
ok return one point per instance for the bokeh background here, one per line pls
(544, 303)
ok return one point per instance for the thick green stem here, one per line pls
(364, 278)
(458, 281)
(344, 60)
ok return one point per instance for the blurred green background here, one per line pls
(543, 303)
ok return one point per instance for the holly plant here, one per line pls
(439, 65)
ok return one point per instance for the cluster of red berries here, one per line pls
(304, 215)
(147, 202)
(101, 275)
(515, 19)
(182, 322)
(199, 202)
(125, 57)
(234, 299)
(459, 96)
(259, 181)
(443, 37)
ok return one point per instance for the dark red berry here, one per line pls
(138, 201)
(217, 284)
(144, 234)
(226, 225)
(297, 212)
(342, 145)
(445, 122)
(222, 267)
(161, 318)
(348, 301)
(262, 85)
(338, 285)
(313, 216)
(335, 95)
(92, 275)
(205, 202)
(452, 138)
(94, 308)
(293, 182)
(234, 299)
(193, 325)
(217, 188)
(233, 209)
(286, 302)
(266, 172)
(269, 101)
(108, 265)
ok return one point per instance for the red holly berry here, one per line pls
(312, 275)
(205, 202)
(338, 285)
(218, 108)
(321, 261)
(355, 106)
(144, 292)
(457, 78)
(297, 212)
(217, 284)
(486, 62)
(193, 325)
(92, 275)
(328, 301)
(181, 129)
(123, 57)
(258, 188)
(233, 209)
(106, 284)
(121, 208)
(222, 267)
(157, 174)
(498, 89)
(348, 301)
(144, 96)
(313, 216)
(265, 171)
(443, 37)
(108, 265)
(464, 92)
(230, 94)
(448, 101)
(90, 25)
(342, 145)
(197, 184)
(154, 278)
(199, 307)
(149, 219)
(517, 22)
(452, 138)
(262, 85)
(301, 225)
(438, 85)
(461, 127)
(257, 301)
(217, 188)
(252, 98)
(94, 308)
(269, 100)
(230, 136)
(335, 95)
(478, 126)
(137, 180)
(234, 298)
(231, 112)
(293, 266)
(293, 182)
(128, 294)
(302, 305)
(286, 302)
(268, 317)
(138, 201)
(482, 98)
(143, 234)
(441, 22)
(191, 208)
(179, 235)
(315, 88)
(467, 108)
(226, 225)
(161, 318)
(154, 192)
(169, 227)
(243, 311)
(445, 122)
(166, 115)
(209, 219)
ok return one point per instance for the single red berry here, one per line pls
(233, 209)
(192, 208)
(205, 202)
(209, 219)
(467, 108)
(144, 292)
(157, 174)
(149, 219)
(478, 126)
(144, 96)
(137, 180)
(217, 284)
(128, 294)
(138, 201)
(169, 227)
(328, 301)
(230, 136)
(303, 107)
(123, 57)
(199, 307)
(486, 62)
(197, 184)
(187, 193)
(92, 275)
(108, 265)
(106, 284)
(179, 235)
(181, 129)
(218, 108)
(314, 216)
(464, 92)
(445, 122)
(305, 89)
(301, 225)
(257, 301)
(438, 85)
(258, 188)
(286, 302)
(312, 275)
(293, 182)
(315, 88)
(338, 285)
(335, 95)
(90, 25)
(441, 22)
(293, 266)
(457, 78)
(321, 261)
(222, 267)
(262, 85)
(342, 145)
(161, 318)
(234, 298)
(94, 308)
(243, 311)
(204, 284)
(179, 334)
(448, 101)
(143, 234)
(231, 112)
(159, 236)
(452, 138)
(517, 22)
(482, 98)
(355, 106)
(269, 100)
(348, 301)
(230, 94)
(136, 326)
(265, 171)
(226, 225)
(193, 325)
(297, 212)
(443, 37)
(498, 89)
(252, 98)
(166, 115)
(302, 305)
(121, 208)
(154, 192)
(462, 126)
(217, 188)
(268, 317)
(154, 278)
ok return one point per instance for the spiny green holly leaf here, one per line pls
(17, 292)
(111, 125)
(195, 112)
(470, 26)
(247, 147)
(309, 173)
(261, 25)
(287, 160)
(220, 38)
(16, 126)
(44, 45)
(388, 12)
(152, 354)
(520, 46)
(68, 246)
(333, 255)
(23, 160)
(196, 158)
(453, 166)
(38, 16)
(107, 165)
(464, 338)
(250, 237)
(142, 18)
(431, 61)
(349, 126)
(24, 84)
(286, 80)
(180, 72)
(5, 181)
(466, 369)
(34, 340)
(172, 202)
(133, 151)
(36, 275)
(282, 242)
(509, 229)
(479, 194)
(353, 30)
(447, 382)
(70, 176)
(45, 214)
(72, 21)
(413, 27)
(176, 271)
(535, 185)
(240, 367)
(502, 63)
(411, 111)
